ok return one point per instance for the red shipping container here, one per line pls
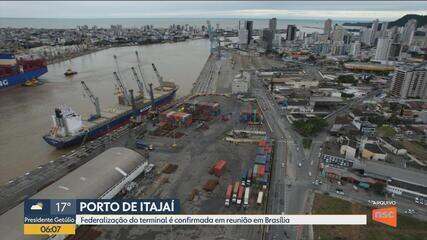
(261, 170)
(219, 167)
(262, 143)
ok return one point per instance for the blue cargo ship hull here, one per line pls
(21, 78)
(107, 127)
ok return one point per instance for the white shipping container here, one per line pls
(260, 197)
(246, 199)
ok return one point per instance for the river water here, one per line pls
(25, 111)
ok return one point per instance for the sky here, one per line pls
(337, 10)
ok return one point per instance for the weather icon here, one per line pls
(37, 207)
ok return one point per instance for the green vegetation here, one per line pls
(386, 131)
(306, 142)
(421, 20)
(347, 95)
(407, 227)
(347, 79)
(311, 126)
(378, 188)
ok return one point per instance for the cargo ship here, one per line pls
(69, 129)
(21, 71)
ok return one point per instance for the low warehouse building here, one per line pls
(100, 178)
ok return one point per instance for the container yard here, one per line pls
(188, 143)
(210, 175)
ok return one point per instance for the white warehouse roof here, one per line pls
(89, 181)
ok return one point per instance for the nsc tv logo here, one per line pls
(387, 216)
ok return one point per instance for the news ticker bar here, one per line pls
(214, 219)
(126, 219)
(59, 216)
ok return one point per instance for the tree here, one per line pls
(311, 126)
(378, 188)
(347, 79)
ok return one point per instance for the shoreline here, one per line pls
(94, 50)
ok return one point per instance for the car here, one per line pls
(419, 200)
(299, 164)
(283, 164)
(309, 174)
(339, 191)
(297, 149)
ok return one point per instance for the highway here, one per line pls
(285, 197)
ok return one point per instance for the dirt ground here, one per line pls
(196, 152)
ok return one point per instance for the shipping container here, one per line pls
(249, 179)
(219, 167)
(261, 171)
(260, 197)
(255, 171)
(240, 194)
(261, 159)
(244, 177)
(228, 194)
(267, 168)
(235, 189)
(247, 195)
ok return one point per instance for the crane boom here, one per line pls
(93, 99)
(122, 91)
(138, 82)
(140, 70)
(159, 78)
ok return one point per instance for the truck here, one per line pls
(240, 194)
(228, 194)
(219, 167)
(260, 197)
(249, 179)
(244, 177)
(235, 189)
(142, 145)
(246, 199)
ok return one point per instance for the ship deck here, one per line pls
(111, 112)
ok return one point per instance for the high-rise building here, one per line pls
(339, 34)
(374, 32)
(250, 28)
(277, 42)
(365, 36)
(291, 33)
(394, 51)
(327, 28)
(243, 38)
(338, 48)
(408, 32)
(355, 49)
(272, 24)
(383, 49)
(383, 31)
(410, 81)
(267, 38)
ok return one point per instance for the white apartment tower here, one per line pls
(383, 49)
(410, 82)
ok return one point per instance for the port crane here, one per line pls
(121, 90)
(140, 70)
(94, 99)
(159, 77)
(138, 82)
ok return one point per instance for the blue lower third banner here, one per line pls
(58, 216)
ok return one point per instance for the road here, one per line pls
(285, 197)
